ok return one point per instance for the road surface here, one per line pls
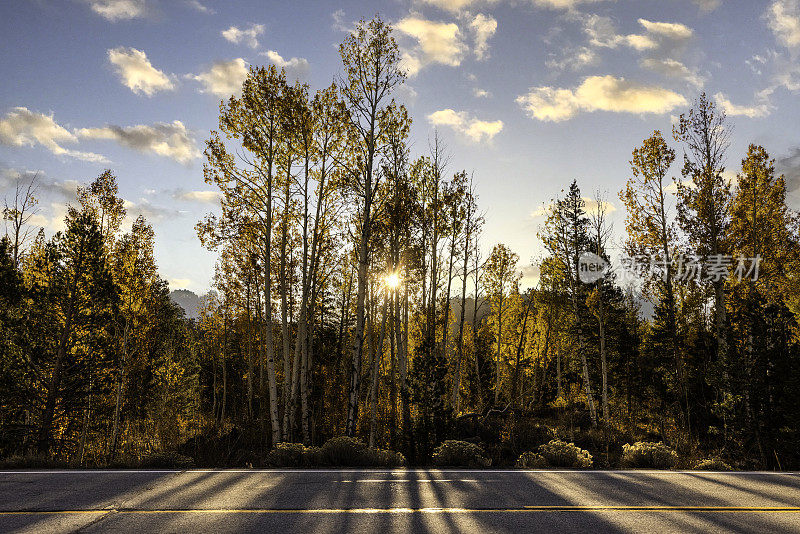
(419, 500)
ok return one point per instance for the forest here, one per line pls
(358, 318)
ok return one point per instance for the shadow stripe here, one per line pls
(527, 509)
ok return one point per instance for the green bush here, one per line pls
(336, 452)
(648, 455)
(384, 458)
(312, 456)
(287, 455)
(169, 460)
(343, 452)
(453, 453)
(712, 464)
(559, 453)
(531, 460)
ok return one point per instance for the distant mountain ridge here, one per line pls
(188, 300)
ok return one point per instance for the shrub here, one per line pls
(31, 461)
(453, 453)
(343, 452)
(559, 453)
(384, 458)
(336, 452)
(312, 456)
(712, 464)
(531, 460)
(649, 455)
(286, 455)
(528, 435)
(170, 460)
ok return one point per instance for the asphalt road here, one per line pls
(421, 500)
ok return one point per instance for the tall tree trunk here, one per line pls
(224, 363)
(392, 372)
(604, 364)
(405, 396)
(120, 387)
(287, 369)
(447, 324)
(54, 385)
(434, 266)
(460, 343)
(520, 347)
(299, 369)
(475, 331)
(270, 347)
(85, 431)
(584, 364)
(499, 348)
(358, 335)
(378, 349)
(250, 369)
(575, 284)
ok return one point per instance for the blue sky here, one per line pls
(528, 94)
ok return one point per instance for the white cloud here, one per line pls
(602, 32)
(437, 42)
(667, 38)
(52, 219)
(170, 140)
(573, 59)
(672, 68)
(562, 4)
(542, 211)
(458, 6)
(670, 30)
(297, 67)
(179, 283)
(148, 210)
(784, 72)
(136, 72)
(671, 40)
(207, 197)
(752, 112)
(224, 78)
(249, 36)
(591, 205)
(22, 127)
(728, 176)
(783, 17)
(455, 6)
(484, 26)
(46, 187)
(481, 93)
(202, 8)
(410, 63)
(65, 189)
(406, 93)
(339, 23)
(707, 6)
(461, 122)
(115, 10)
(673, 185)
(662, 43)
(597, 93)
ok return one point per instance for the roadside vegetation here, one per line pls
(358, 317)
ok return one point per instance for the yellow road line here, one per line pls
(526, 509)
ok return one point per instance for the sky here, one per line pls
(527, 95)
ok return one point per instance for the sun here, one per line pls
(392, 280)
